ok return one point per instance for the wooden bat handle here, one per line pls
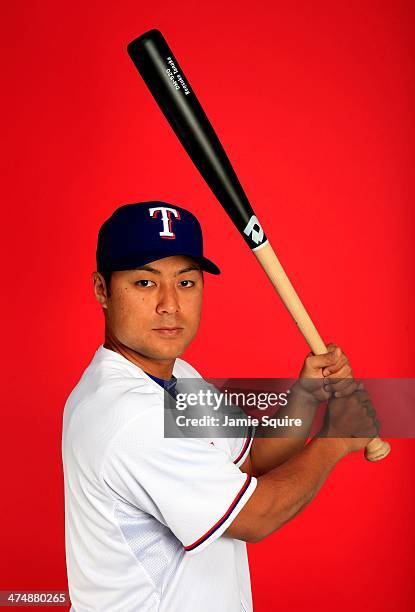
(376, 449)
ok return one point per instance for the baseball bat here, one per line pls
(171, 89)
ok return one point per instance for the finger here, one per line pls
(362, 394)
(343, 371)
(331, 346)
(345, 387)
(321, 361)
(373, 429)
(337, 365)
(340, 383)
(336, 383)
(370, 409)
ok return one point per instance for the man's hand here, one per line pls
(323, 376)
(352, 419)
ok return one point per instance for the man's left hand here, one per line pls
(329, 374)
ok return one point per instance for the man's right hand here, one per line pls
(352, 419)
(284, 491)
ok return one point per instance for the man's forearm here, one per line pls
(290, 487)
(270, 452)
(286, 490)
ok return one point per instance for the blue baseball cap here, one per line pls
(137, 234)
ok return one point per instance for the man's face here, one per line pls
(155, 310)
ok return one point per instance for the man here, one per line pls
(156, 523)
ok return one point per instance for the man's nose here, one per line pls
(168, 302)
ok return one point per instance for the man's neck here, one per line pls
(160, 368)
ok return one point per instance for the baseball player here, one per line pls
(160, 524)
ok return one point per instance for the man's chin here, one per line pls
(167, 352)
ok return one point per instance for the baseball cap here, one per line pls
(137, 234)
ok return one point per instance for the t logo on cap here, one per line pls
(166, 217)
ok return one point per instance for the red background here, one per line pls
(314, 103)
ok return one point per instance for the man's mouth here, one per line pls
(168, 331)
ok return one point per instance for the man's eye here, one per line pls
(186, 283)
(145, 283)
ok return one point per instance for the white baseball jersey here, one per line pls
(145, 514)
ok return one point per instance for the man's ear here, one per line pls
(100, 289)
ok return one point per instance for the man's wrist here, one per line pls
(337, 448)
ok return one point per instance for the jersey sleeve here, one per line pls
(188, 484)
(238, 447)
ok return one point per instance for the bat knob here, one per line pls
(377, 449)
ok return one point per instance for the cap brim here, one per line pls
(205, 264)
(134, 262)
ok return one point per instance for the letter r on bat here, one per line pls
(254, 230)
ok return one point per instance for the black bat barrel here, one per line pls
(171, 89)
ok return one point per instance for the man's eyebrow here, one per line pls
(182, 271)
(148, 269)
(187, 269)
